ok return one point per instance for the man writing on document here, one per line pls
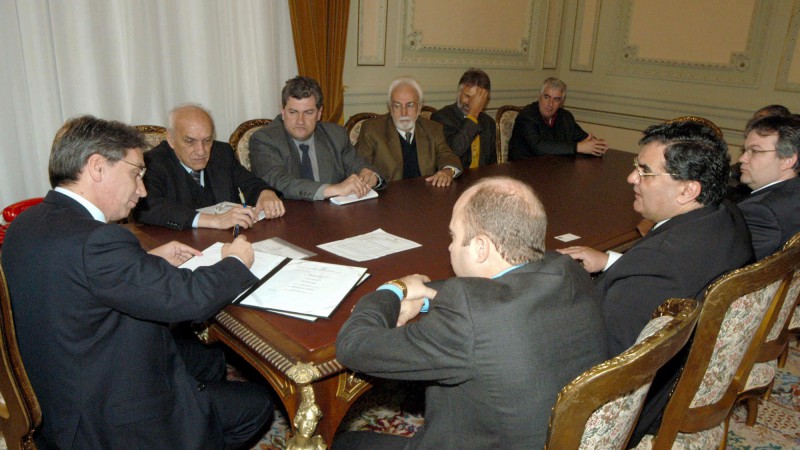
(499, 341)
(91, 308)
(191, 170)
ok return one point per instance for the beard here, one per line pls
(405, 123)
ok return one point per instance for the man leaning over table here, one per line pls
(403, 145)
(470, 131)
(192, 170)
(545, 128)
(496, 343)
(679, 181)
(91, 307)
(307, 159)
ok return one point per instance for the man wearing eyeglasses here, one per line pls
(679, 182)
(91, 309)
(192, 170)
(403, 145)
(769, 167)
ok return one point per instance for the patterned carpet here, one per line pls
(396, 407)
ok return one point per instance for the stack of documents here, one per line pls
(369, 246)
(223, 207)
(345, 199)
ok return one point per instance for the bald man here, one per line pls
(191, 170)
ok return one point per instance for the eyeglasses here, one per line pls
(642, 173)
(752, 152)
(397, 106)
(142, 169)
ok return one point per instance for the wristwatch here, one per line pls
(400, 285)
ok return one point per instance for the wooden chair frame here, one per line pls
(148, 130)
(620, 375)
(240, 131)
(502, 155)
(20, 414)
(356, 119)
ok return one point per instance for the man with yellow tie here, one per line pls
(470, 131)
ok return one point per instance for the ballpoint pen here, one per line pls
(244, 205)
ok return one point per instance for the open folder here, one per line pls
(292, 286)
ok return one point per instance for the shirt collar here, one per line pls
(93, 210)
(766, 186)
(503, 272)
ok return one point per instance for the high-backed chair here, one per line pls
(20, 414)
(794, 322)
(506, 116)
(775, 344)
(240, 139)
(600, 407)
(733, 322)
(427, 111)
(10, 213)
(354, 123)
(153, 134)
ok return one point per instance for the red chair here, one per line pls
(12, 211)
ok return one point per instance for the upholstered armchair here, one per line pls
(736, 316)
(10, 212)
(506, 116)
(353, 125)
(794, 321)
(600, 407)
(427, 111)
(240, 139)
(153, 134)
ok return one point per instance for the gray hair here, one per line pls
(555, 83)
(404, 81)
(173, 113)
(80, 138)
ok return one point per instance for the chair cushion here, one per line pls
(708, 439)
(761, 375)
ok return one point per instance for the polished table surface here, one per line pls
(588, 197)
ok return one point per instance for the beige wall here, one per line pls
(628, 63)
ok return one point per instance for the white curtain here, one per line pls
(131, 60)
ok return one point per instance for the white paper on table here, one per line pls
(369, 246)
(567, 237)
(306, 287)
(278, 246)
(345, 199)
(263, 262)
(223, 207)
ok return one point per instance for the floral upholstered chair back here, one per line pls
(506, 116)
(353, 125)
(153, 134)
(240, 139)
(600, 407)
(737, 314)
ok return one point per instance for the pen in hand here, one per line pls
(244, 205)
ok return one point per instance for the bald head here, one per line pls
(191, 134)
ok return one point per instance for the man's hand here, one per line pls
(592, 146)
(417, 291)
(368, 177)
(351, 185)
(269, 202)
(478, 101)
(442, 178)
(175, 252)
(238, 215)
(592, 260)
(241, 249)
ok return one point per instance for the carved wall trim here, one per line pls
(789, 49)
(552, 37)
(586, 19)
(414, 51)
(372, 16)
(743, 68)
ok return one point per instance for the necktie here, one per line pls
(305, 164)
(408, 137)
(196, 176)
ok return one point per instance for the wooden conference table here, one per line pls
(588, 197)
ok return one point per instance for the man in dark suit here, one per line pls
(307, 159)
(191, 170)
(470, 131)
(679, 182)
(769, 167)
(545, 128)
(403, 145)
(500, 340)
(91, 308)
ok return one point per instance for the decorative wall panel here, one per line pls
(585, 39)
(371, 32)
(552, 37)
(789, 74)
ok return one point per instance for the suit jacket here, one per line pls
(275, 158)
(379, 144)
(679, 259)
(773, 215)
(532, 137)
(460, 132)
(495, 352)
(90, 308)
(170, 202)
